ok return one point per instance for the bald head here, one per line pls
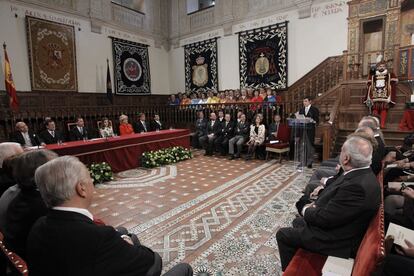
(9, 149)
(22, 127)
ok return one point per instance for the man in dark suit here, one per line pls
(241, 134)
(278, 130)
(200, 130)
(69, 240)
(156, 123)
(141, 125)
(312, 112)
(380, 151)
(336, 222)
(225, 134)
(50, 135)
(79, 132)
(24, 136)
(212, 132)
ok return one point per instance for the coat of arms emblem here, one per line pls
(200, 72)
(262, 65)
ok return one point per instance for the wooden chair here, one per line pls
(14, 262)
(99, 124)
(283, 146)
(279, 148)
(70, 126)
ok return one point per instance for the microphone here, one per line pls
(37, 140)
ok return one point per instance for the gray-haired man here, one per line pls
(336, 222)
(67, 239)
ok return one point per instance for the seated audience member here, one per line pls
(401, 263)
(125, 128)
(212, 132)
(256, 99)
(194, 99)
(408, 143)
(379, 154)
(336, 222)
(278, 130)
(24, 136)
(257, 136)
(225, 134)
(401, 211)
(215, 98)
(203, 99)
(324, 176)
(200, 130)
(79, 132)
(8, 187)
(185, 100)
(7, 150)
(173, 100)
(239, 114)
(243, 97)
(50, 135)
(269, 98)
(141, 126)
(241, 135)
(106, 129)
(28, 205)
(221, 116)
(69, 240)
(156, 123)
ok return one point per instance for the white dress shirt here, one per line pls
(307, 109)
(27, 141)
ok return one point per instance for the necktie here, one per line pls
(53, 134)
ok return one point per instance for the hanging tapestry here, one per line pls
(52, 55)
(201, 65)
(263, 57)
(131, 68)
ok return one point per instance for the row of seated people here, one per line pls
(343, 195)
(25, 137)
(248, 95)
(225, 135)
(44, 218)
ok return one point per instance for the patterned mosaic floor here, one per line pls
(218, 215)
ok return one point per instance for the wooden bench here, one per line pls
(368, 260)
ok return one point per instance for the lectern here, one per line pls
(299, 127)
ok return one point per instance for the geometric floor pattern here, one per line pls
(220, 216)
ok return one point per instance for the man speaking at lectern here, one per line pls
(308, 110)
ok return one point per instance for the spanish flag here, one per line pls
(10, 88)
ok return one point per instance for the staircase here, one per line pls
(340, 102)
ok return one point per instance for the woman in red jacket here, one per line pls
(125, 128)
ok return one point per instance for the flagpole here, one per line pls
(11, 111)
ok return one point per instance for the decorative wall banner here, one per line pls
(52, 55)
(263, 57)
(131, 68)
(201, 65)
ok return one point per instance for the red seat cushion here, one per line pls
(278, 145)
(371, 250)
(305, 263)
